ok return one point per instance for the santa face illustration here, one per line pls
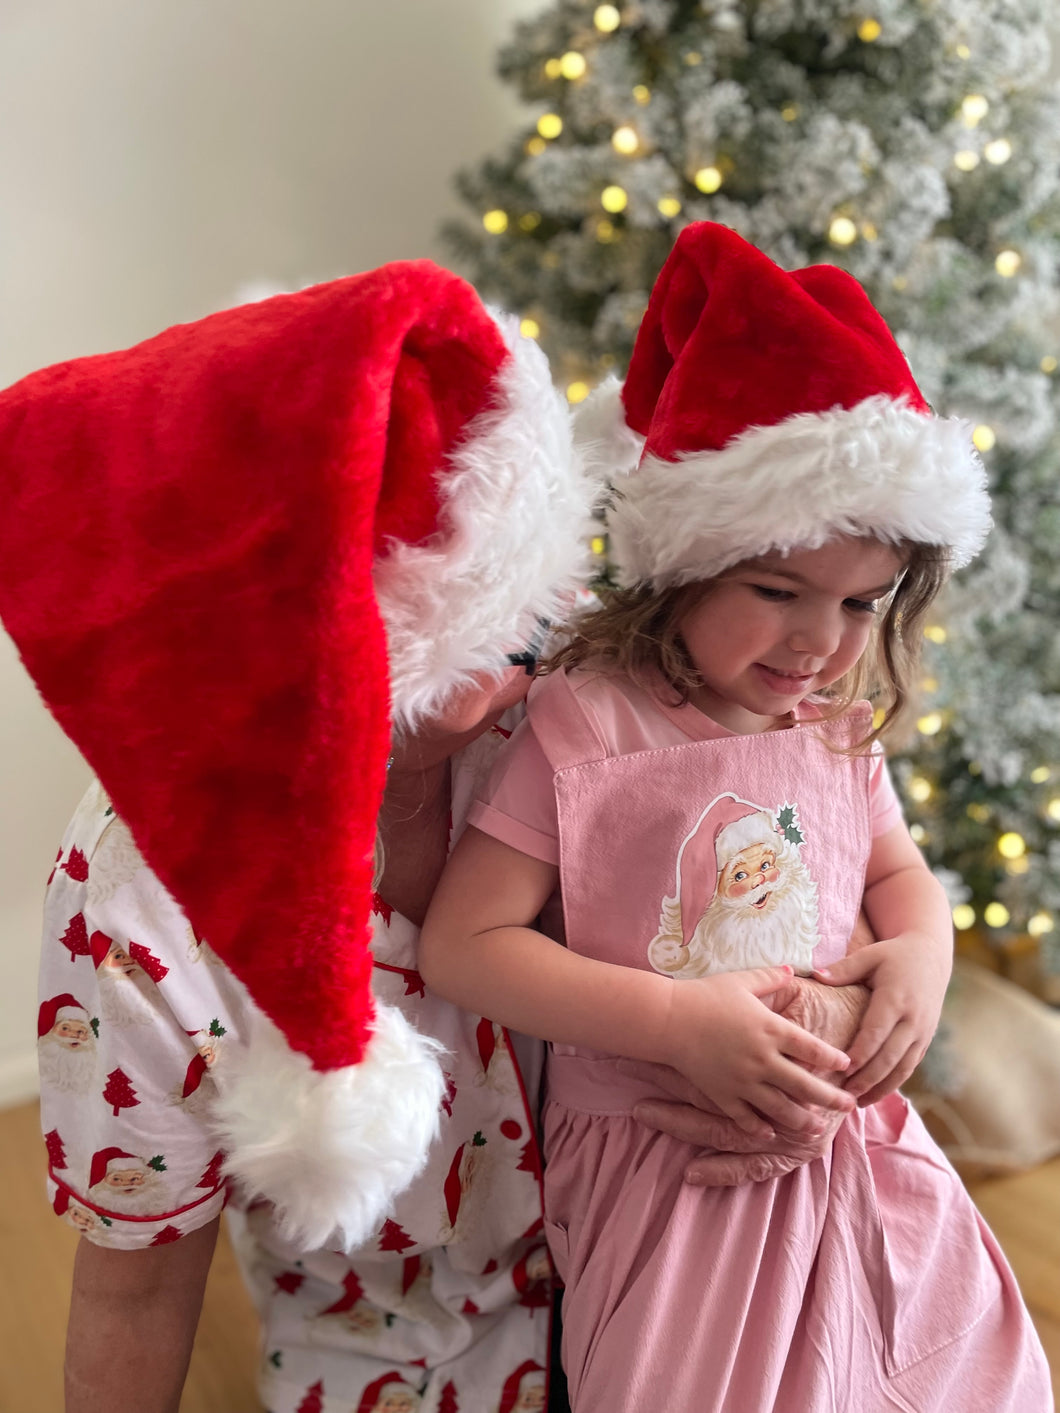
(125, 1183)
(744, 897)
(82, 1220)
(125, 989)
(66, 1046)
(531, 1399)
(396, 1399)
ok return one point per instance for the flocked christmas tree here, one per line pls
(917, 144)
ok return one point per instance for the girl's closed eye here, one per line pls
(774, 595)
(862, 605)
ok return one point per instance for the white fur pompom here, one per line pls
(330, 1149)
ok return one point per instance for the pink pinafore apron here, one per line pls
(863, 1281)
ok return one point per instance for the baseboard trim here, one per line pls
(18, 1080)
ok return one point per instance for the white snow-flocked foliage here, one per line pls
(878, 469)
(331, 1150)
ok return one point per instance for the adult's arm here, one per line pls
(132, 1323)
(831, 1013)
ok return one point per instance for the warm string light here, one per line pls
(529, 221)
(963, 52)
(789, 112)
(974, 109)
(641, 94)
(606, 18)
(963, 917)
(930, 724)
(1040, 774)
(1012, 845)
(869, 31)
(708, 180)
(605, 232)
(920, 789)
(598, 545)
(529, 328)
(1040, 924)
(1048, 364)
(669, 206)
(998, 152)
(572, 65)
(966, 160)
(935, 633)
(978, 811)
(996, 915)
(535, 146)
(1007, 263)
(984, 438)
(577, 391)
(625, 140)
(496, 221)
(842, 231)
(614, 199)
(918, 833)
(550, 125)
(693, 58)
(1052, 809)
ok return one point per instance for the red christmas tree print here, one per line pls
(414, 983)
(166, 1236)
(313, 1402)
(392, 1238)
(212, 1176)
(119, 1092)
(447, 1403)
(76, 866)
(151, 965)
(383, 908)
(51, 875)
(75, 938)
(288, 1281)
(56, 1152)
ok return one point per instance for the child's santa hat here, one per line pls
(726, 827)
(234, 559)
(59, 1008)
(778, 412)
(112, 1160)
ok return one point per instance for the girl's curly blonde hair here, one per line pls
(636, 631)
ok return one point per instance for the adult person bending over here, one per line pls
(235, 558)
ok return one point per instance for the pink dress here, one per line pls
(862, 1282)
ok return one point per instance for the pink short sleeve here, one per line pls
(518, 806)
(885, 811)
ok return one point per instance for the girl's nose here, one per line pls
(816, 634)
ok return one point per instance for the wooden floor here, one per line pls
(37, 1251)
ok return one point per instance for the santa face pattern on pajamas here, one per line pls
(137, 1015)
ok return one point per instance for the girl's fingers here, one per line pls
(885, 1063)
(879, 1023)
(745, 1119)
(806, 1088)
(805, 1123)
(847, 970)
(808, 1049)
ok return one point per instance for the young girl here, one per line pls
(706, 791)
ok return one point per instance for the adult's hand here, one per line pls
(833, 1014)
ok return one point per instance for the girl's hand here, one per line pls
(907, 976)
(725, 1037)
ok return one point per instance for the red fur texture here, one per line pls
(755, 345)
(187, 542)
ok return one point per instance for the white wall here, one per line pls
(155, 156)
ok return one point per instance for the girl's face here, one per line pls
(775, 629)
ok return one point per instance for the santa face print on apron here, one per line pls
(717, 855)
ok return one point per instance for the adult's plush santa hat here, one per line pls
(234, 558)
(726, 827)
(59, 1008)
(778, 412)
